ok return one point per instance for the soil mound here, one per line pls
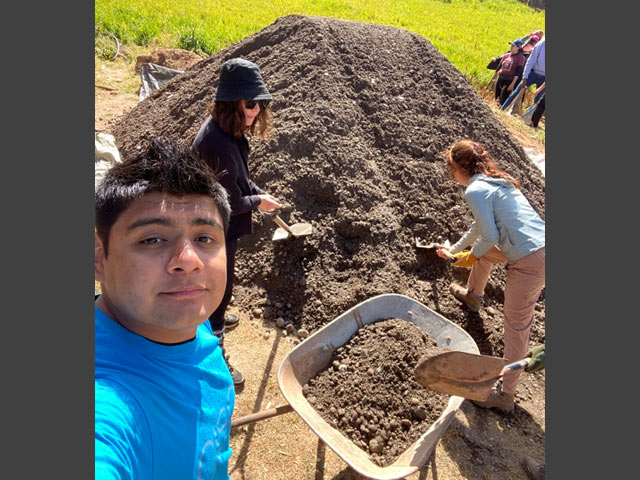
(362, 112)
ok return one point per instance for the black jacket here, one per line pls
(229, 156)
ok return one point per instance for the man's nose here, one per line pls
(185, 258)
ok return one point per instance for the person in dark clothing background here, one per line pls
(539, 111)
(509, 71)
(240, 107)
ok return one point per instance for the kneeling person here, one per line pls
(163, 394)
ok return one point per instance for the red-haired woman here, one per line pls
(505, 229)
(240, 107)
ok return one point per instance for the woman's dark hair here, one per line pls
(472, 158)
(230, 118)
(166, 167)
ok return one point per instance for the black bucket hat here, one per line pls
(240, 79)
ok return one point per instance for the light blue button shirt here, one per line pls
(502, 216)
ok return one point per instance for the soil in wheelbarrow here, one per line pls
(369, 393)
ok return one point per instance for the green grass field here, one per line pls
(468, 32)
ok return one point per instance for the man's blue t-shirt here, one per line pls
(161, 411)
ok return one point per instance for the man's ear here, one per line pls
(99, 260)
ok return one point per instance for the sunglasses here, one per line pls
(250, 104)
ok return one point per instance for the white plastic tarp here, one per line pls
(153, 77)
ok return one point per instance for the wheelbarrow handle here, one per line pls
(263, 415)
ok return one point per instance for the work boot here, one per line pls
(236, 376)
(471, 300)
(498, 399)
(534, 470)
(230, 321)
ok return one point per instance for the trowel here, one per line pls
(432, 245)
(286, 231)
(464, 374)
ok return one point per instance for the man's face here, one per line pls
(166, 268)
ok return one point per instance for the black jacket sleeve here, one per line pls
(229, 179)
(222, 154)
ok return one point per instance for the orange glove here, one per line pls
(465, 259)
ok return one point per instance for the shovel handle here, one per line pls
(450, 256)
(512, 367)
(281, 223)
(273, 214)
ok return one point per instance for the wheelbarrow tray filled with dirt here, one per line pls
(315, 353)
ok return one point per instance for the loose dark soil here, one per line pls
(362, 113)
(369, 393)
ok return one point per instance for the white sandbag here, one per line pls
(107, 155)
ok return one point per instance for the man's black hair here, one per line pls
(166, 167)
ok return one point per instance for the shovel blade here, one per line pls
(427, 246)
(471, 391)
(297, 230)
(301, 229)
(460, 373)
(280, 234)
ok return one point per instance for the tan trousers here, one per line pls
(525, 280)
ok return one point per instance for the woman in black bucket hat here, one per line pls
(240, 107)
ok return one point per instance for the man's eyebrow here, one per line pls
(168, 222)
(149, 221)
(206, 221)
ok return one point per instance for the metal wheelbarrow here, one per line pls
(314, 354)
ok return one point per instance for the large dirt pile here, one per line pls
(362, 112)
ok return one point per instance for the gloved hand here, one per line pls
(537, 359)
(465, 259)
